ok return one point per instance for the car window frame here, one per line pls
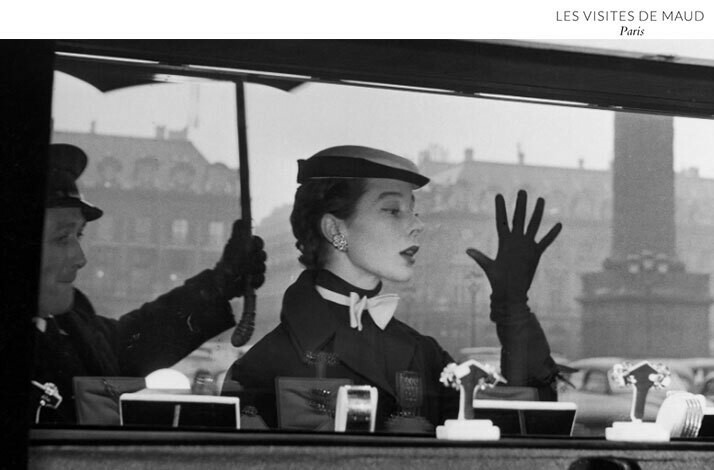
(679, 105)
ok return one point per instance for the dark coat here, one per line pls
(157, 335)
(311, 325)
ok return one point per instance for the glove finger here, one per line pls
(240, 229)
(257, 268)
(501, 217)
(549, 237)
(537, 216)
(482, 260)
(257, 280)
(260, 257)
(519, 214)
(257, 243)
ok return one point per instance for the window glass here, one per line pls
(179, 232)
(630, 275)
(216, 235)
(596, 382)
(142, 229)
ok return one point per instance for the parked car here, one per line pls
(702, 369)
(600, 401)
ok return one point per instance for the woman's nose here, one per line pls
(417, 226)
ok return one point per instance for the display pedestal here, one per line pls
(468, 430)
(636, 431)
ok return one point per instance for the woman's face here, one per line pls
(382, 234)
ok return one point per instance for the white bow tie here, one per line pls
(381, 308)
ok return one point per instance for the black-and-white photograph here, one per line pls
(363, 253)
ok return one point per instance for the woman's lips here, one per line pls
(409, 253)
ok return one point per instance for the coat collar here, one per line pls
(312, 325)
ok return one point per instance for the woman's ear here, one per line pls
(330, 226)
(333, 230)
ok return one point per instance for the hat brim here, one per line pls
(322, 167)
(89, 211)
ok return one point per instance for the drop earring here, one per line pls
(340, 242)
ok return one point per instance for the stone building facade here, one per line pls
(168, 213)
(448, 297)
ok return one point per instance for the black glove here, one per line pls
(511, 273)
(243, 257)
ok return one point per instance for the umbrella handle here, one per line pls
(246, 325)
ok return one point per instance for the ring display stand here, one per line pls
(468, 377)
(468, 430)
(636, 431)
(640, 377)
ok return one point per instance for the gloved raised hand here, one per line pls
(243, 257)
(511, 273)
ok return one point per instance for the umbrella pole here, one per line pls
(246, 325)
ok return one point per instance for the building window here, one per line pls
(178, 267)
(109, 170)
(141, 278)
(182, 176)
(145, 172)
(104, 268)
(142, 230)
(216, 234)
(179, 232)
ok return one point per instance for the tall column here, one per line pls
(644, 304)
(643, 184)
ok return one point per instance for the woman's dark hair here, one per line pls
(313, 200)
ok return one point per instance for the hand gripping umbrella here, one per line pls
(107, 75)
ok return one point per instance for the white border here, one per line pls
(457, 19)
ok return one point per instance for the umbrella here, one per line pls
(112, 74)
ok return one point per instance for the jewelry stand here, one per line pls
(640, 377)
(469, 377)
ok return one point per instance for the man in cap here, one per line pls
(72, 340)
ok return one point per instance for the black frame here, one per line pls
(625, 82)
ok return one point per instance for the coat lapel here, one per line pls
(306, 315)
(352, 349)
(401, 346)
(96, 354)
(312, 325)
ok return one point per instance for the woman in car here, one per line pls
(355, 223)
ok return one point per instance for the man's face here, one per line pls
(62, 257)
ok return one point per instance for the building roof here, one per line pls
(544, 179)
(167, 152)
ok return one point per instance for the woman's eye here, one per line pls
(393, 211)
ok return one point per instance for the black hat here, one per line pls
(66, 163)
(353, 161)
